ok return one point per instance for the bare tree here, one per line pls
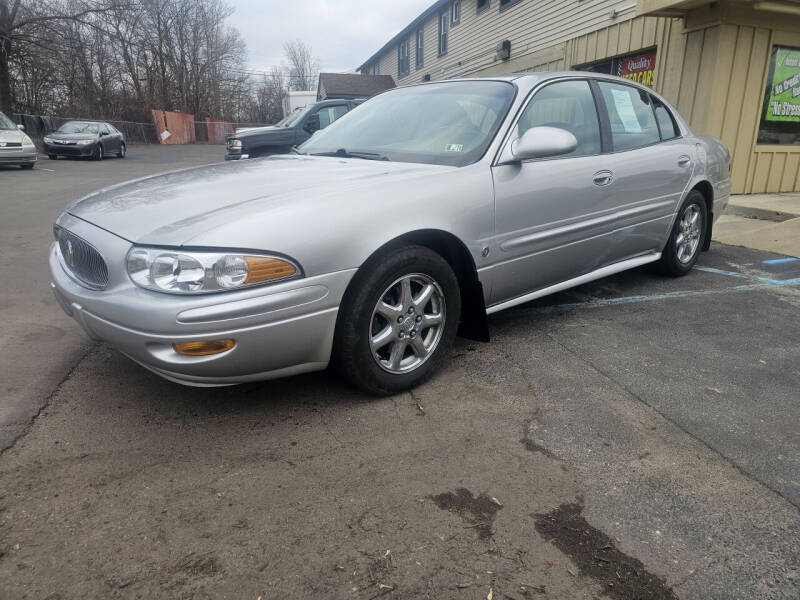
(304, 67)
(21, 21)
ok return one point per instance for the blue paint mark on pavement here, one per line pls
(779, 261)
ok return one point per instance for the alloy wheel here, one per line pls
(407, 323)
(689, 233)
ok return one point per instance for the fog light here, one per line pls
(203, 348)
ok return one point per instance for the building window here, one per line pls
(506, 3)
(780, 117)
(443, 25)
(402, 58)
(420, 49)
(482, 5)
(455, 12)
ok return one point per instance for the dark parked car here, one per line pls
(295, 129)
(85, 138)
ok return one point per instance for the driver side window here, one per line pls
(566, 105)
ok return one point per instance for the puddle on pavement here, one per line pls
(622, 577)
(477, 512)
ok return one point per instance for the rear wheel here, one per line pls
(687, 237)
(27, 166)
(397, 321)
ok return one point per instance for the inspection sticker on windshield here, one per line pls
(454, 148)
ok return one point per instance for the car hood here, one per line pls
(12, 136)
(280, 192)
(255, 131)
(267, 135)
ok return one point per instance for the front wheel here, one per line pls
(397, 321)
(687, 237)
(122, 150)
(52, 157)
(98, 152)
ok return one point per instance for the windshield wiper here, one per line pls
(296, 151)
(342, 153)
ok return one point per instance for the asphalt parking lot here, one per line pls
(633, 438)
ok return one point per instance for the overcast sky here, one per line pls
(343, 33)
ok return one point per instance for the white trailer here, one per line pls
(294, 100)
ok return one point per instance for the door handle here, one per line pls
(684, 161)
(603, 177)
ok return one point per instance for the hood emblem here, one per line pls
(70, 254)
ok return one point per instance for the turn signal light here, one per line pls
(203, 348)
(260, 268)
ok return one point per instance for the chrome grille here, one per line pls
(82, 259)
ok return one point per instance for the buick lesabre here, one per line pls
(399, 226)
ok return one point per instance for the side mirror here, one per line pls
(541, 142)
(312, 123)
(103, 133)
(21, 127)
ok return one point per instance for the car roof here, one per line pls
(543, 76)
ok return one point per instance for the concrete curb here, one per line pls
(764, 214)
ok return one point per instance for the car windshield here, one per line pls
(294, 118)
(6, 123)
(79, 127)
(449, 123)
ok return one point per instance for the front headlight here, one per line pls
(48, 140)
(85, 142)
(236, 143)
(191, 272)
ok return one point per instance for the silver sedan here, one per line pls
(384, 236)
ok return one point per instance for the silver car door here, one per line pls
(552, 215)
(652, 166)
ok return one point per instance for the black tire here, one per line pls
(352, 354)
(52, 157)
(27, 166)
(122, 151)
(671, 263)
(98, 152)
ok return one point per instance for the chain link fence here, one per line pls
(38, 126)
(206, 132)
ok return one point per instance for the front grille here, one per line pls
(82, 259)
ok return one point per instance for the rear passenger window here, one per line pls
(665, 121)
(567, 105)
(633, 123)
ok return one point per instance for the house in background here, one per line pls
(348, 86)
(731, 67)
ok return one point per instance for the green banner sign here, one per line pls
(783, 104)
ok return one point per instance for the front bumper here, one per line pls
(236, 154)
(69, 150)
(279, 330)
(23, 155)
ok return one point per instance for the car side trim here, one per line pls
(597, 274)
(613, 217)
